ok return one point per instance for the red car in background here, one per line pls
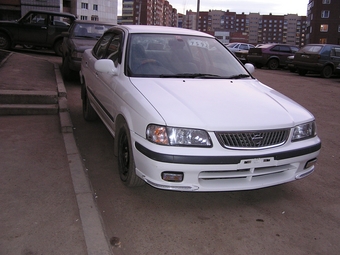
(271, 55)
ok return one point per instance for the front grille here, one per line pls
(253, 139)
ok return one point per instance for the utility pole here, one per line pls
(197, 13)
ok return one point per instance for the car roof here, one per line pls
(267, 45)
(78, 21)
(54, 13)
(159, 30)
(320, 44)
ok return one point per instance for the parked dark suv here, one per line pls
(36, 28)
(318, 58)
(271, 55)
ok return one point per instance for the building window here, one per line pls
(323, 40)
(325, 14)
(83, 17)
(95, 7)
(84, 5)
(326, 1)
(324, 28)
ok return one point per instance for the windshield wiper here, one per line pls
(238, 76)
(192, 75)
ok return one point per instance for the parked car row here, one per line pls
(323, 59)
(186, 115)
(36, 29)
(271, 55)
(60, 32)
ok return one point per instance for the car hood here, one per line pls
(83, 43)
(216, 105)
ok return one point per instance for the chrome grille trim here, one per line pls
(253, 139)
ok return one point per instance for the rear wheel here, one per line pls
(273, 64)
(126, 163)
(327, 72)
(5, 42)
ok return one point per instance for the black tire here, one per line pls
(65, 69)
(327, 72)
(57, 47)
(302, 72)
(89, 114)
(273, 64)
(5, 42)
(126, 163)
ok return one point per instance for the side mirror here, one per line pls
(105, 66)
(249, 67)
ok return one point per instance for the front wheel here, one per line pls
(327, 72)
(126, 163)
(57, 47)
(273, 64)
(5, 42)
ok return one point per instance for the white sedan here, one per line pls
(186, 115)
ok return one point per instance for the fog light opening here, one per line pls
(310, 163)
(173, 176)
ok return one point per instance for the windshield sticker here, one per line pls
(198, 43)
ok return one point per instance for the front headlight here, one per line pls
(304, 131)
(178, 136)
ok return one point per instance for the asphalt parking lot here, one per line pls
(302, 217)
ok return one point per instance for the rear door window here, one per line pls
(285, 49)
(336, 52)
(60, 21)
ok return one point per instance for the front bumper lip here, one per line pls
(221, 160)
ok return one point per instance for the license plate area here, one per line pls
(256, 162)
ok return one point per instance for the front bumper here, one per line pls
(75, 64)
(245, 171)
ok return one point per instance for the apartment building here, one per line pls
(323, 21)
(103, 10)
(10, 9)
(148, 12)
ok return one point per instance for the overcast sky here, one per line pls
(264, 7)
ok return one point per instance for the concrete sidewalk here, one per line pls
(47, 204)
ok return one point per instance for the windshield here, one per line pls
(163, 55)
(312, 48)
(94, 31)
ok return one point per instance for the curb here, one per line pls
(92, 223)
